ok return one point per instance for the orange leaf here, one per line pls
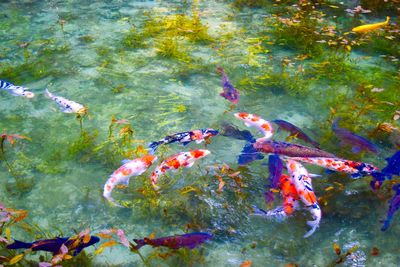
(104, 245)
(152, 235)
(103, 235)
(246, 264)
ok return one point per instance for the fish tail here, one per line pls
(277, 213)
(19, 244)
(47, 93)
(153, 147)
(140, 243)
(249, 154)
(314, 225)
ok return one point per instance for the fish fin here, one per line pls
(19, 244)
(328, 171)
(124, 161)
(356, 175)
(356, 149)
(199, 141)
(125, 181)
(189, 165)
(313, 175)
(249, 154)
(140, 243)
(314, 225)
(258, 211)
(247, 124)
(185, 143)
(77, 251)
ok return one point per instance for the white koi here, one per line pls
(67, 106)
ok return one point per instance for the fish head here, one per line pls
(242, 116)
(82, 111)
(149, 159)
(93, 240)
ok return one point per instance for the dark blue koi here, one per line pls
(357, 142)
(275, 167)
(394, 205)
(295, 131)
(229, 92)
(189, 241)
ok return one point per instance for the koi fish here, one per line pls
(289, 194)
(290, 200)
(251, 120)
(394, 205)
(393, 166)
(15, 90)
(229, 92)
(182, 159)
(295, 131)
(289, 149)
(122, 175)
(65, 105)
(371, 27)
(275, 167)
(185, 138)
(189, 241)
(356, 169)
(303, 184)
(54, 245)
(357, 142)
(232, 131)
(248, 153)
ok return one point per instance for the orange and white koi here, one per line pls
(251, 120)
(67, 106)
(122, 175)
(290, 201)
(182, 159)
(356, 169)
(371, 27)
(303, 184)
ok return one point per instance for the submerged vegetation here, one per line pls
(154, 73)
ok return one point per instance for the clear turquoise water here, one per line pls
(160, 96)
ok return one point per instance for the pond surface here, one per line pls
(154, 63)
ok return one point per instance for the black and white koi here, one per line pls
(15, 90)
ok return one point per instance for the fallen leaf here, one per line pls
(246, 264)
(16, 259)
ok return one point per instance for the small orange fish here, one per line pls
(246, 264)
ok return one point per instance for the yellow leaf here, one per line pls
(348, 48)
(152, 235)
(329, 188)
(67, 257)
(104, 245)
(16, 259)
(8, 234)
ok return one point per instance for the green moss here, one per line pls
(86, 39)
(172, 48)
(134, 39)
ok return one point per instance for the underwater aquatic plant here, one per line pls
(11, 139)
